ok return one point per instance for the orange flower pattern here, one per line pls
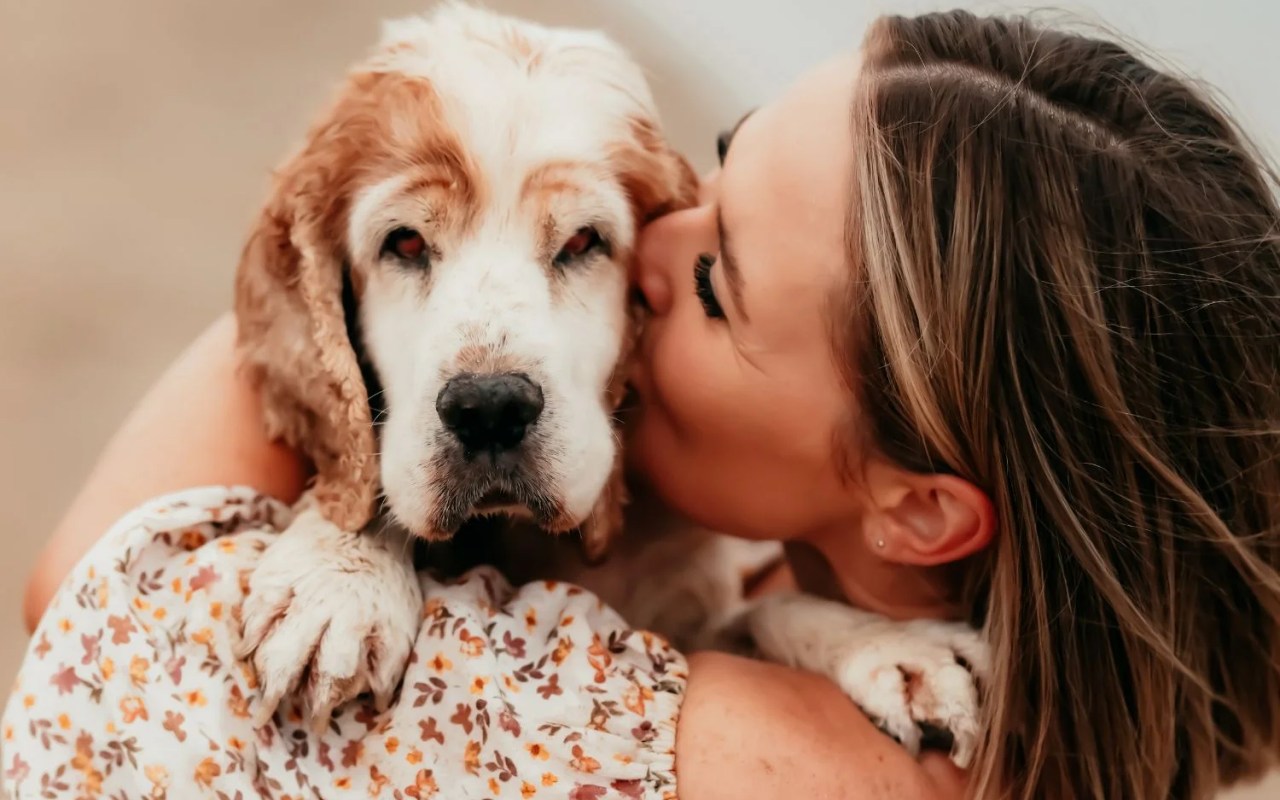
(130, 688)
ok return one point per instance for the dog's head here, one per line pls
(469, 205)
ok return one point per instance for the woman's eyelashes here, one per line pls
(722, 145)
(726, 138)
(703, 288)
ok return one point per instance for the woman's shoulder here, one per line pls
(755, 729)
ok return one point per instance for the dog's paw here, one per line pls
(914, 682)
(917, 680)
(329, 614)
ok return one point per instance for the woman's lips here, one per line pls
(630, 400)
(635, 377)
(634, 388)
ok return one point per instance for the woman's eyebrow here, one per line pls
(726, 137)
(729, 265)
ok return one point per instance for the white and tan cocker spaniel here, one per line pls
(434, 303)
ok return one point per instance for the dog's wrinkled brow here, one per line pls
(554, 179)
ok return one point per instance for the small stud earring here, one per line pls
(880, 543)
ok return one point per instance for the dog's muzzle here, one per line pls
(489, 459)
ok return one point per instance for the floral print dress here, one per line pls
(130, 689)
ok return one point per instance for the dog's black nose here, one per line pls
(489, 412)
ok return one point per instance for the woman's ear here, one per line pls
(926, 519)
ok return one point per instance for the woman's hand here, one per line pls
(201, 424)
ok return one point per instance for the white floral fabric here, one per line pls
(130, 689)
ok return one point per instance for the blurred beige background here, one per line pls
(135, 144)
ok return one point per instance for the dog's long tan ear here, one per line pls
(292, 329)
(658, 180)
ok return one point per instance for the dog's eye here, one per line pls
(406, 244)
(579, 244)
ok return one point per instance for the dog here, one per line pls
(434, 304)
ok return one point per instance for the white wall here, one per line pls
(743, 53)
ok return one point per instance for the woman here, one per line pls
(992, 334)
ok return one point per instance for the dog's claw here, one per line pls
(329, 615)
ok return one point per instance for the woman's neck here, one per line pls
(837, 567)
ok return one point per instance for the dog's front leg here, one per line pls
(330, 614)
(908, 677)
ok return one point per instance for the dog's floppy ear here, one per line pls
(293, 338)
(657, 180)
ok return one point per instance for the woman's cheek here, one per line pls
(682, 370)
(698, 391)
(667, 375)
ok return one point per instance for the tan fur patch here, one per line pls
(511, 41)
(657, 179)
(485, 359)
(520, 46)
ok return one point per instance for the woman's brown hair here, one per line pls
(1067, 291)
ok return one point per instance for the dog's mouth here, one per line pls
(466, 497)
(499, 502)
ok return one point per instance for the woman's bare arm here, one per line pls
(753, 729)
(201, 424)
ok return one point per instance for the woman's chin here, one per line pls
(633, 448)
(644, 466)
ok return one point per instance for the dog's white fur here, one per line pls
(492, 290)
(343, 607)
(347, 606)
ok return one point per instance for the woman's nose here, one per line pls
(666, 252)
(651, 278)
